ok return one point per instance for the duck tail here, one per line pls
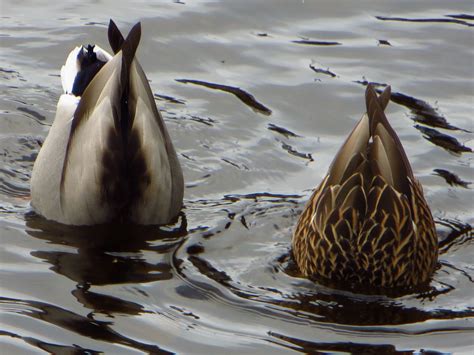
(96, 150)
(128, 47)
(152, 168)
(116, 38)
(387, 155)
(120, 197)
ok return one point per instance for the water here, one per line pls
(220, 279)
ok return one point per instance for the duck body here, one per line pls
(108, 156)
(367, 225)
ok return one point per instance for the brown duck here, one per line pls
(368, 225)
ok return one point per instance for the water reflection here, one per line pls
(106, 304)
(51, 347)
(102, 255)
(106, 255)
(319, 304)
(311, 347)
(65, 319)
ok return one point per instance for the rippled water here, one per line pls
(220, 279)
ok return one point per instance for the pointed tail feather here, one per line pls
(116, 38)
(399, 165)
(129, 47)
(99, 130)
(355, 144)
(384, 97)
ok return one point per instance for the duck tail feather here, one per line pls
(116, 38)
(380, 127)
(100, 128)
(384, 97)
(129, 47)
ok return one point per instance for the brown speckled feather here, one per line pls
(368, 224)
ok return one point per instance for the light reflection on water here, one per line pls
(220, 279)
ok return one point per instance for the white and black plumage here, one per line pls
(108, 156)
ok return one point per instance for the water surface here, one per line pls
(220, 279)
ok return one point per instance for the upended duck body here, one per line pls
(108, 156)
(368, 225)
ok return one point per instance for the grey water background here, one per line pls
(220, 279)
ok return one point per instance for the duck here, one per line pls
(367, 226)
(108, 157)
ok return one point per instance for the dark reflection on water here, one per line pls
(355, 310)
(84, 326)
(451, 178)
(99, 258)
(50, 347)
(244, 96)
(455, 19)
(333, 306)
(105, 255)
(106, 304)
(346, 347)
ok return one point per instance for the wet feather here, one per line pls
(367, 224)
(108, 156)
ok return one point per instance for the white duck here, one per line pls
(108, 156)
